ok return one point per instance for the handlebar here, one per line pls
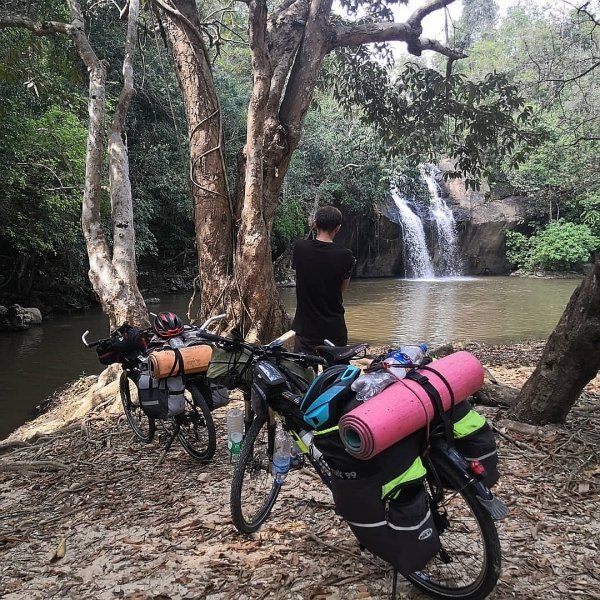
(273, 350)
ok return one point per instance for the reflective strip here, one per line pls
(469, 424)
(324, 431)
(414, 472)
(412, 527)
(395, 527)
(482, 457)
(380, 524)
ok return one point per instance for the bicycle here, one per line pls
(464, 510)
(194, 427)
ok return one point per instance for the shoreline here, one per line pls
(131, 528)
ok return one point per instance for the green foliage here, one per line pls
(422, 115)
(590, 210)
(518, 249)
(559, 247)
(43, 178)
(563, 246)
(290, 224)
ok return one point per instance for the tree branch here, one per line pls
(368, 33)
(415, 20)
(42, 28)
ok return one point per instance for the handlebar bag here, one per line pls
(124, 344)
(161, 398)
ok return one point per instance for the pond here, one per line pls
(494, 310)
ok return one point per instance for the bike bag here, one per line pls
(127, 343)
(475, 440)
(161, 398)
(384, 501)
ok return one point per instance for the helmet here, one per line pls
(167, 325)
(326, 397)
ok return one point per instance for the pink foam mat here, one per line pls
(405, 407)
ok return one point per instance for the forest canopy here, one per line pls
(536, 62)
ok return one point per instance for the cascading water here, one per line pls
(418, 261)
(417, 256)
(451, 265)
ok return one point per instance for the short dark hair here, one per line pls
(328, 218)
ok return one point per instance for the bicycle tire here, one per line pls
(197, 432)
(254, 467)
(142, 426)
(442, 579)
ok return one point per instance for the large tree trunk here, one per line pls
(212, 209)
(288, 48)
(570, 359)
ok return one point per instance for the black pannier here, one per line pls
(127, 343)
(384, 501)
(161, 398)
(475, 440)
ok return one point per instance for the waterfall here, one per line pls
(450, 262)
(417, 256)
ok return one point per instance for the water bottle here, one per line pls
(235, 433)
(415, 353)
(405, 355)
(370, 384)
(281, 455)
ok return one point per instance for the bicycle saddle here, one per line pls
(335, 354)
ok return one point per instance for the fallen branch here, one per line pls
(38, 465)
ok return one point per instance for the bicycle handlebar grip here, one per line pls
(313, 358)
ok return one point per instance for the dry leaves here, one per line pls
(141, 532)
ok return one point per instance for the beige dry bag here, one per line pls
(168, 363)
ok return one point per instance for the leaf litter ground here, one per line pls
(86, 512)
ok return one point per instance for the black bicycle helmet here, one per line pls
(167, 325)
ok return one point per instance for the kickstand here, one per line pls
(394, 583)
(169, 443)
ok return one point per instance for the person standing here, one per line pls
(323, 271)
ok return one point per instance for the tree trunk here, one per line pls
(114, 280)
(570, 359)
(212, 209)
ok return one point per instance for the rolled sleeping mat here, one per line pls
(405, 407)
(165, 363)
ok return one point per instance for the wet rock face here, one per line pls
(17, 318)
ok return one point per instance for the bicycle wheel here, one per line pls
(468, 565)
(253, 487)
(142, 426)
(197, 432)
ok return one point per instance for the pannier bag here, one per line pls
(384, 501)
(127, 343)
(475, 440)
(169, 362)
(161, 398)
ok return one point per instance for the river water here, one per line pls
(380, 311)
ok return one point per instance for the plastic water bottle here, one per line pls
(235, 433)
(281, 455)
(405, 355)
(370, 384)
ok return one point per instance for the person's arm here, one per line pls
(346, 280)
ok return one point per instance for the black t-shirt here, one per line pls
(321, 267)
